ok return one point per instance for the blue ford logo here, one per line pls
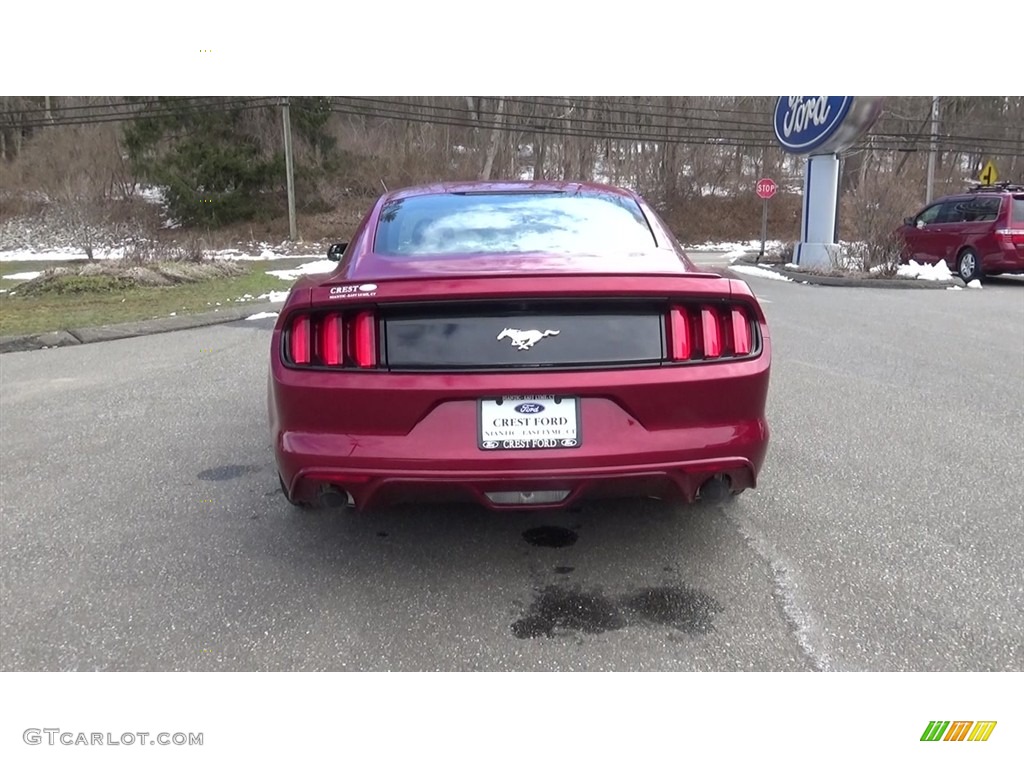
(805, 123)
(529, 408)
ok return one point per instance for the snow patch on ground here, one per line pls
(59, 254)
(938, 271)
(954, 288)
(974, 284)
(22, 276)
(309, 268)
(261, 315)
(275, 296)
(266, 252)
(151, 194)
(759, 272)
(745, 246)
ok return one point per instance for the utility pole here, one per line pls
(49, 116)
(934, 149)
(289, 168)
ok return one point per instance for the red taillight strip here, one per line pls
(712, 332)
(299, 346)
(331, 352)
(364, 340)
(742, 342)
(679, 329)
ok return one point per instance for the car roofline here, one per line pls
(506, 187)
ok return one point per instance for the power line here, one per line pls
(639, 123)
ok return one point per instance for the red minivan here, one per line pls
(978, 233)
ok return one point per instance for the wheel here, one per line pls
(968, 266)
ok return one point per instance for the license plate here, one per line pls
(517, 422)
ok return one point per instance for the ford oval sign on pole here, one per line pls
(766, 189)
(821, 127)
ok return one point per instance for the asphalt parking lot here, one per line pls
(143, 528)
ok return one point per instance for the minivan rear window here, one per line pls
(1018, 209)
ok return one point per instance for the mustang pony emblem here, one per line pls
(524, 339)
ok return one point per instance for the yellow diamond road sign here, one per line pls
(988, 174)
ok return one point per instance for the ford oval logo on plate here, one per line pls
(367, 287)
(529, 408)
(804, 123)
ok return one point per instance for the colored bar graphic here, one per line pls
(958, 731)
(982, 730)
(935, 730)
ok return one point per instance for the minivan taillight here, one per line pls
(1011, 237)
(332, 340)
(709, 332)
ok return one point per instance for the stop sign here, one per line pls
(766, 188)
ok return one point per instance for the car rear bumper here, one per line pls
(440, 460)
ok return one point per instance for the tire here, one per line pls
(968, 265)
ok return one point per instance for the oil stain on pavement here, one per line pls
(558, 611)
(550, 536)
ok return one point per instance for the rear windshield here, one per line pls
(557, 222)
(1018, 209)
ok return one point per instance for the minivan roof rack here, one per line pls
(1002, 186)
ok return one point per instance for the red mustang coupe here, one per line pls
(523, 345)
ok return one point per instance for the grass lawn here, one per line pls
(51, 312)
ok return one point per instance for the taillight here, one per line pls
(335, 339)
(712, 330)
(364, 340)
(1011, 237)
(679, 334)
(742, 341)
(299, 340)
(331, 351)
(709, 332)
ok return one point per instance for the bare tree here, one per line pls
(495, 137)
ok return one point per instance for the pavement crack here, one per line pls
(785, 582)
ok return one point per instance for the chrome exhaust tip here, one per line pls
(333, 497)
(715, 489)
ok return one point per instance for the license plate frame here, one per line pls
(536, 433)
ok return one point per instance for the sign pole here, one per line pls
(766, 189)
(764, 226)
(289, 166)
